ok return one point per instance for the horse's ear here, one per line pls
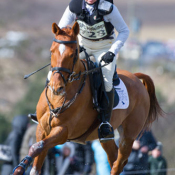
(55, 29)
(75, 28)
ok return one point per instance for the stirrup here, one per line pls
(104, 137)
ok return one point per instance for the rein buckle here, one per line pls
(53, 114)
(71, 77)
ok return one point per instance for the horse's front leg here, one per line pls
(39, 160)
(58, 135)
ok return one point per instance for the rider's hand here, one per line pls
(108, 57)
(81, 48)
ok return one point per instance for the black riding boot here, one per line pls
(105, 130)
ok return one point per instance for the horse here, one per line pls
(65, 108)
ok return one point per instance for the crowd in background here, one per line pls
(72, 158)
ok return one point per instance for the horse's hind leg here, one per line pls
(125, 147)
(129, 131)
(117, 158)
(111, 150)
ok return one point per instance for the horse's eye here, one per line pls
(71, 55)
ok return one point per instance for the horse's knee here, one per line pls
(36, 149)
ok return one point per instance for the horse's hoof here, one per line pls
(19, 171)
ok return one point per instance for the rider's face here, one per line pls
(90, 1)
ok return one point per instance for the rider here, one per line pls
(97, 20)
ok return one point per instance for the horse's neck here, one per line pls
(73, 87)
(78, 66)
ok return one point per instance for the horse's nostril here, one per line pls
(57, 91)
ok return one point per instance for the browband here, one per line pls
(65, 42)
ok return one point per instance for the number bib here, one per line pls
(96, 31)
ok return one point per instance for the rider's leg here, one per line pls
(105, 130)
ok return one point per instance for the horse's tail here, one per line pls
(155, 110)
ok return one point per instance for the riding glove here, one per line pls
(108, 57)
(81, 48)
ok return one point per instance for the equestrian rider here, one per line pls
(97, 20)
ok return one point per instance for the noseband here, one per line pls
(62, 69)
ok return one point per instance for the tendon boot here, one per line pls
(105, 130)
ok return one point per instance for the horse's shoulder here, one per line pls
(42, 103)
(42, 98)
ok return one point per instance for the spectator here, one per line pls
(75, 159)
(14, 140)
(100, 156)
(134, 160)
(28, 140)
(138, 159)
(85, 155)
(64, 163)
(157, 161)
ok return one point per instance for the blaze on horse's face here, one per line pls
(62, 55)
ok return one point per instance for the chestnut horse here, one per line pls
(65, 108)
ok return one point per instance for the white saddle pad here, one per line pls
(123, 96)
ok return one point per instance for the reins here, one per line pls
(64, 106)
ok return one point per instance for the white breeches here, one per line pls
(97, 49)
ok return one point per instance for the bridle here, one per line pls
(72, 75)
(59, 70)
(54, 112)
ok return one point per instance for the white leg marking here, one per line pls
(62, 48)
(34, 172)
